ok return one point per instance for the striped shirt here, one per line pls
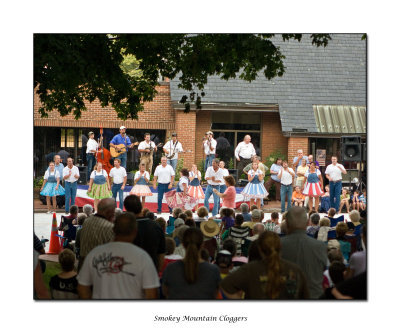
(238, 235)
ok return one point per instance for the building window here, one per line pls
(239, 121)
(68, 138)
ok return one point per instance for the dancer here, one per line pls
(119, 177)
(255, 189)
(141, 181)
(313, 185)
(51, 187)
(165, 175)
(180, 197)
(195, 189)
(214, 178)
(99, 185)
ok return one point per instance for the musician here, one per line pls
(171, 150)
(91, 149)
(210, 146)
(121, 138)
(146, 149)
(243, 153)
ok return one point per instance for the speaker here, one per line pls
(83, 177)
(351, 148)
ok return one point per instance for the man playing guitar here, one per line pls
(171, 150)
(121, 138)
(146, 149)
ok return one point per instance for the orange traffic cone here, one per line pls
(55, 246)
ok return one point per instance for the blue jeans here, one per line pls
(70, 194)
(123, 158)
(173, 163)
(161, 189)
(207, 195)
(116, 189)
(335, 189)
(222, 188)
(286, 189)
(91, 161)
(208, 163)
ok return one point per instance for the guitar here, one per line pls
(151, 148)
(119, 149)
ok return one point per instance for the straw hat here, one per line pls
(209, 228)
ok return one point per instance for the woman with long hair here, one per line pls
(268, 278)
(192, 277)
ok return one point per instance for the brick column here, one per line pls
(203, 125)
(272, 137)
(294, 144)
(186, 129)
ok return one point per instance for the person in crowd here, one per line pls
(225, 173)
(224, 263)
(253, 207)
(344, 200)
(312, 188)
(243, 154)
(99, 185)
(126, 273)
(354, 225)
(177, 236)
(81, 220)
(334, 255)
(119, 177)
(162, 223)
(325, 201)
(314, 227)
(183, 216)
(210, 230)
(141, 184)
(195, 189)
(275, 227)
(165, 176)
(209, 145)
(363, 200)
(150, 236)
(286, 175)
(124, 139)
(170, 257)
(228, 195)
(118, 211)
(244, 209)
(324, 227)
(297, 160)
(180, 197)
(177, 223)
(274, 180)
(227, 221)
(255, 218)
(192, 277)
(71, 176)
(67, 226)
(300, 172)
(352, 288)
(337, 273)
(97, 229)
(255, 190)
(190, 222)
(269, 278)
(237, 260)
(311, 159)
(202, 215)
(189, 213)
(39, 288)
(356, 200)
(51, 187)
(345, 246)
(298, 197)
(91, 150)
(308, 253)
(358, 260)
(175, 214)
(334, 173)
(64, 285)
(214, 177)
(239, 235)
(257, 230)
(87, 209)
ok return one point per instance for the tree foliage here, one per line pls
(123, 70)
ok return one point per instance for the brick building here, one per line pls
(320, 98)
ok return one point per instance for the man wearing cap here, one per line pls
(91, 149)
(215, 178)
(210, 146)
(243, 153)
(122, 138)
(171, 150)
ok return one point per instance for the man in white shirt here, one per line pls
(146, 149)
(210, 146)
(71, 176)
(119, 269)
(334, 174)
(91, 148)
(286, 176)
(171, 150)
(119, 176)
(165, 176)
(215, 178)
(243, 153)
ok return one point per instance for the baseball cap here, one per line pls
(209, 132)
(90, 133)
(122, 127)
(173, 134)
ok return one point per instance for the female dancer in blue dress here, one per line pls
(51, 187)
(312, 188)
(141, 188)
(195, 189)
(255, 189)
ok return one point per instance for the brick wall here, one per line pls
(203, 124)
(272, 138)
(294, 144)
(186, 129)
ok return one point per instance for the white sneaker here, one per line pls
(48, 212)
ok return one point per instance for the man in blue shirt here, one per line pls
(122, 138)
(297, 159)
(275, 168)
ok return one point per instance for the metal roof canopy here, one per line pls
(341, 119)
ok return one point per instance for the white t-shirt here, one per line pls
(217, 174)
(94, 173)
(334, 172)
(145, 145)
(118, 174)
(225, 172)
(182, 181)
(55, 173)
(74, 171)
(287, 178)
(171, 148)
(207, 147)
(118, 270)
(91, 145)
(164, 174)
(245, 150)
(146, 174)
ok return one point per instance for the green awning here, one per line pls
(342, 119)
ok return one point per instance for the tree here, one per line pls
(123, 70)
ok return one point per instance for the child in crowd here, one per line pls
(314, 227)
(325, 201)
(224, 262)
(356, 200)
(162, 223)
(363, 200)
(202, 215)
(189, 213)
(64, 285)
(175, 214)
(227, 220)
(169, 255)
(344, 200)
(273, 223)
(298, 197)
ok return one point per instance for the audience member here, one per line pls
(324, 227)
(258, 228)
(175, 214)
(151, 216)
(162, 223)
(344, 200)
(118, 211)
(310, 254)
(255, 218)
(183, 216)
(244, 208)
(170, 257)
(355, 226)
(177, 224)
(202, 215)
(358, 260)
(64, 285)
(352, 288)
(254, 251)
(238, 234)
(87, 209)
(180, 249)
(227, 221)
(238, 260)
(224, 262)
(314, 227)
(210, 230)
(189, 213)
(345, 246)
